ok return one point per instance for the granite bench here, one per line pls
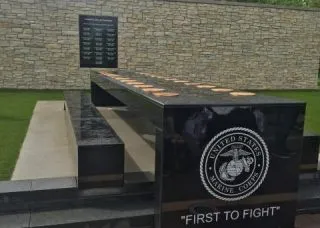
(98, 150)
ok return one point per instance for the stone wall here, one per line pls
(232, 45)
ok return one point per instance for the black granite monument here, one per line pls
(223, 158)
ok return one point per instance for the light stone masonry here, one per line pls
(247, 47)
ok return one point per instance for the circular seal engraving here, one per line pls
(234, 164)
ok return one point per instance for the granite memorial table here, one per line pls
(224, 158)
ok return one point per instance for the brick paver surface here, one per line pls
(308, 221)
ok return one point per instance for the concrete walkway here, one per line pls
(308, 221)
(139, 156)
(45, 151)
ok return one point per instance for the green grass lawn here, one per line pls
(312, 120)
(15, 112)
(294, 3)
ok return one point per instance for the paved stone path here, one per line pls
(45, 151)
(308, 221)
(140, 156)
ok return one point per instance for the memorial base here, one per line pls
(67, 207)
(255, 137)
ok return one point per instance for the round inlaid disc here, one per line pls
(242, 94)
(170, 79)
(152, 90)
(128, 80)
(221, 90)
(108, 74)
(206, 86)
(182, 81)
(192, 83)
(166, 94)
(135, 83)
(113, 75)
(122, 78)
(152, 75)
(143, 86)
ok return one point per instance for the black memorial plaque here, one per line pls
(98, 41)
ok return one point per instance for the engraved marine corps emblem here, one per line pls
(234, 164)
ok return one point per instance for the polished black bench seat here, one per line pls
(98, 151)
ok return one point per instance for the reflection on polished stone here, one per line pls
(98, 149)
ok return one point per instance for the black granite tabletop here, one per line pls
(89, 126)
(185, 92)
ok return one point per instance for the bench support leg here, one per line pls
(100, 97)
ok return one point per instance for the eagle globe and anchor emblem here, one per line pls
(228, 171)
(234, 164)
